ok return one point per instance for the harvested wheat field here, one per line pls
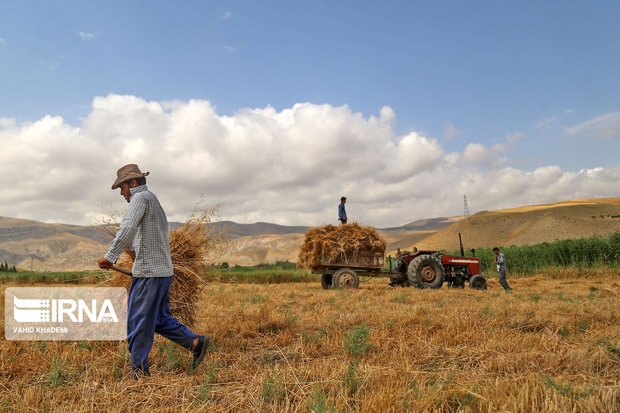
(552, 345)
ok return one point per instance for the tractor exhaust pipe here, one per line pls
(461, 244)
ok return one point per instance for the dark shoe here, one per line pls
(200, 350)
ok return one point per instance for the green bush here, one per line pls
(575, 253)
(278, 273)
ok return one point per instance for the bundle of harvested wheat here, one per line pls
(334, 242)
(190, 245)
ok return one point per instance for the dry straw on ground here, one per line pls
(549, 346)
(337, 243)
(191, 245)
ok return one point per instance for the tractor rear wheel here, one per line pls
(478, 282)
(425, 271)
(326, 281)
(345, 278)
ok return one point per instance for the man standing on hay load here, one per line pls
(145, 228)
(342, 213)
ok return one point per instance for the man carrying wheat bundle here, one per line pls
(145, 228)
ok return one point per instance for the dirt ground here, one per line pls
(549, 346)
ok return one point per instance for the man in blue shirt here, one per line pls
(145, 229)
(342, 214)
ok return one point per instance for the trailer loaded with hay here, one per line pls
(343, 253)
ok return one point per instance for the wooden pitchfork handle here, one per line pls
(119, 269)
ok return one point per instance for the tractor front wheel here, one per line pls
(478, 282)
(345, 278)
(326, 281)
(425, 271)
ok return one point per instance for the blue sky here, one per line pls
(525, 75)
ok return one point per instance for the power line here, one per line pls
(466, 207)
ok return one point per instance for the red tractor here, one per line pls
(422, 269)
(430, 269)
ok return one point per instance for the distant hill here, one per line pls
(258, 228)
(429, 224)
(32, 244)
(530, 225)
(59, 247)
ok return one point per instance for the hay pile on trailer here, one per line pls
(337, 242)
(190, 245)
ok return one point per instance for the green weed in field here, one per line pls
(583, 326)
(206, 389)
(273, 388)
(57, 375)
(257, 298)
(351, 379)
(564, 331)
(86, 345)
(313, 337)
(173, 360)
(357, 340)
(318, 403)
(613, 348)
(121, 361)
(563, 389)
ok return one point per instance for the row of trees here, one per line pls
(4, 267)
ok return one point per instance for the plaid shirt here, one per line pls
(145, 227)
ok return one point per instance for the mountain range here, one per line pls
(33, 245)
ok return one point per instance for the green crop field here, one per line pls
(69, 277)
(592, 252)
(278, 273)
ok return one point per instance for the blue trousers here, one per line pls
(502, 279)
(148, 313)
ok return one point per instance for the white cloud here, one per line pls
(510, 144)
(51, 63)
(451, 132)
(547, 123)
(2, 41)
(478, 154)
(605, 126)
(288, 167)
(227, 15)
(87, 36)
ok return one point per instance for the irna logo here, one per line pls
(28, 310)
(65, 313)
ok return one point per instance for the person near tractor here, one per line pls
(500, 260)
(145, 229)
(342, 213)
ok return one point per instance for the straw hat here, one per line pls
(126, 173)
